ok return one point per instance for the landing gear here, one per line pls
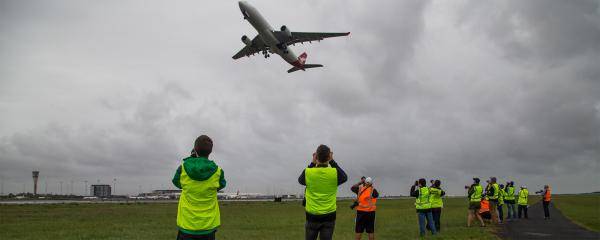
(266, 54)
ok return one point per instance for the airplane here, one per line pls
(269, 41)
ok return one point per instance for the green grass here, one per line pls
(396, 219)
(581, 209)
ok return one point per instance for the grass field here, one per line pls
(396, 219)
(581, 209)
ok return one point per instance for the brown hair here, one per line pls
(203, 146)
(323, 153)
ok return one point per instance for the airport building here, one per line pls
(100, 190)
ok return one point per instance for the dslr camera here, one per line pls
(354, 204)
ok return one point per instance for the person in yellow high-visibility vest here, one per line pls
(435, 197)
(501, 196)
(509, 199)
(474, 195)
(321, 178)
(523, 201)
(423, 206)
(493, 193)
(199, 179)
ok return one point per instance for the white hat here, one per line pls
(369, 180)
(523, 186)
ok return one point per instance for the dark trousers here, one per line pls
(425, 217)
(546, 210)
(185, 236)
(500, 213)
(323, 230)
(523, 208)
(437, 214)
(510, 208)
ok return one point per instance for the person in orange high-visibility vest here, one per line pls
(366, 201)
(484, 211)
(546, 201)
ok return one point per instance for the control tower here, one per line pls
(35, 175)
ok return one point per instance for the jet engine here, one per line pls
(286, 30)
(246, 40)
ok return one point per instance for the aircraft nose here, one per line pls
(242, 5)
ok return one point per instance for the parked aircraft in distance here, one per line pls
(269, 41)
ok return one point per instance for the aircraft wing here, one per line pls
(257, 46)
(301, 37)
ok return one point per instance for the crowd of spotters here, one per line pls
(488, 203)
(198, 215)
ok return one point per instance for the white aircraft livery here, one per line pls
(269, 41)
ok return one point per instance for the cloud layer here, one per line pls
(449, 90)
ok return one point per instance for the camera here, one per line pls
(354, 205)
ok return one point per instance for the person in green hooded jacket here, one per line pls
(199, 179)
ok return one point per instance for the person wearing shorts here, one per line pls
(365, 208)
(474, 195)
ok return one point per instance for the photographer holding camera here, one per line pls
(475, 192)
(366, 198)
(421, 192)
(199, 178)
(321, 178)
(357, 186)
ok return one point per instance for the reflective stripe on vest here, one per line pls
(422, 201)
(476, 196)
(523, 195)
(496, 191)
(435, 197)
(321, 190)
(198, 208)
(366, 202)
(510, 193)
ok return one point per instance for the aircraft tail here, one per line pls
(302, 66)
(305, 66)
(302, 58)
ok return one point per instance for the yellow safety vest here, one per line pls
(321, 190)
(523, 195)
(476, 196)
(198, 210)
(422, 201)
(435, 197)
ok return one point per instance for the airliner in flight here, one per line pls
(269, 41)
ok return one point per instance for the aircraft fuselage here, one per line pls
(265, 32)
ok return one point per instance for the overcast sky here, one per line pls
(98, 90)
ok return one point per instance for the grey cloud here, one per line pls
(420, 89)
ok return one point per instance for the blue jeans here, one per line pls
(425, 217)
(512, 212)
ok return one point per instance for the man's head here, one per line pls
(323, 154)
(203, 146)
(437, 183)
(476, 180)
(368, 181)
(493, 179)
(362, 179)
(422, 182)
